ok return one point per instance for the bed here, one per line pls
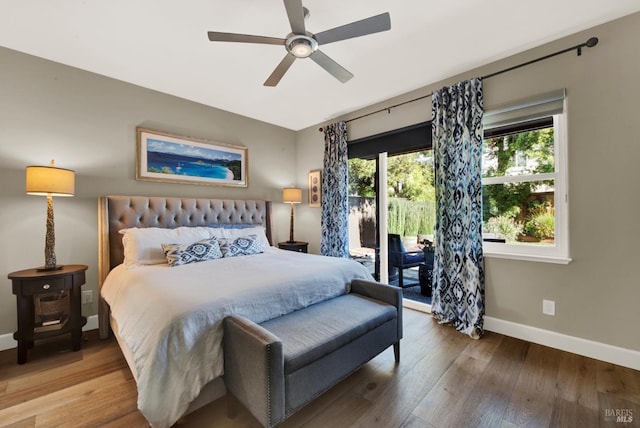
(168, 319)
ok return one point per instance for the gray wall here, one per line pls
(597, 294)
(87, 123)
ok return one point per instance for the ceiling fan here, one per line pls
(302, 44)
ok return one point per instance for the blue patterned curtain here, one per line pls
(458, 277)
(335, 192)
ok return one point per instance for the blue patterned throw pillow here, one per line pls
(242, 246)
(182, 254)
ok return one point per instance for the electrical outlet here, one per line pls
(87, 296)
(549, 307)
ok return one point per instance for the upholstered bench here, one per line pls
(277, 367)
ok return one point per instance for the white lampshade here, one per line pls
(292, 195)
(49, 180)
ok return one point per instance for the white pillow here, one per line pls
(143, 246)
(216, 232)
(259, 231)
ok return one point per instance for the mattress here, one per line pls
(170, 318)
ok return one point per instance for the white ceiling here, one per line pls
(163, 45)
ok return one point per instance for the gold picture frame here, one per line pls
(315, 188)
(178, 159)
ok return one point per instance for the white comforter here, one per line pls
(171, 318)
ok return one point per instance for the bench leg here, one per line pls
(396, 351)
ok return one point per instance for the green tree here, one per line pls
(532, 153)
(409, 176)
(362, 178)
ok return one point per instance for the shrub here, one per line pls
(411, 220)
(504, 227)
(540, 225)
(427, 217)
(396, 216)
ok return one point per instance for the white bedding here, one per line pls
(171, 318)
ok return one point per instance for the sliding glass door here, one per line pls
(363, 212)
(405, 208)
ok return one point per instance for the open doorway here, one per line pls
(410, 213)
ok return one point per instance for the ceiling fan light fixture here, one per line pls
(301, 46)
(301, 49)
(300, 43)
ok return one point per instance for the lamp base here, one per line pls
(291, 242)
(49, 269)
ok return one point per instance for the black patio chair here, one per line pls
(402, 259)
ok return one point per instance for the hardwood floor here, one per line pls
(444, 379)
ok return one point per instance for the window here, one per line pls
(524, 188)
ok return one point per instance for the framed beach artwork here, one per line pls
(315, 188)
(177, 159)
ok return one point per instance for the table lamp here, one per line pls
(291, 196)
(50, 181)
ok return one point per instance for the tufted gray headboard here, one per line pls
(120, 212)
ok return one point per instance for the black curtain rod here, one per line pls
(589, 44)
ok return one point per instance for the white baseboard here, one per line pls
(588, 348)
(7, 341)
(92, 323)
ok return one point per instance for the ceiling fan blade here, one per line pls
(280, 70)
(215, 36)
(335, 69)
(375, 24)
(295, 12)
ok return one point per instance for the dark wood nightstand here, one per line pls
(298, 246)
(58, 290)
